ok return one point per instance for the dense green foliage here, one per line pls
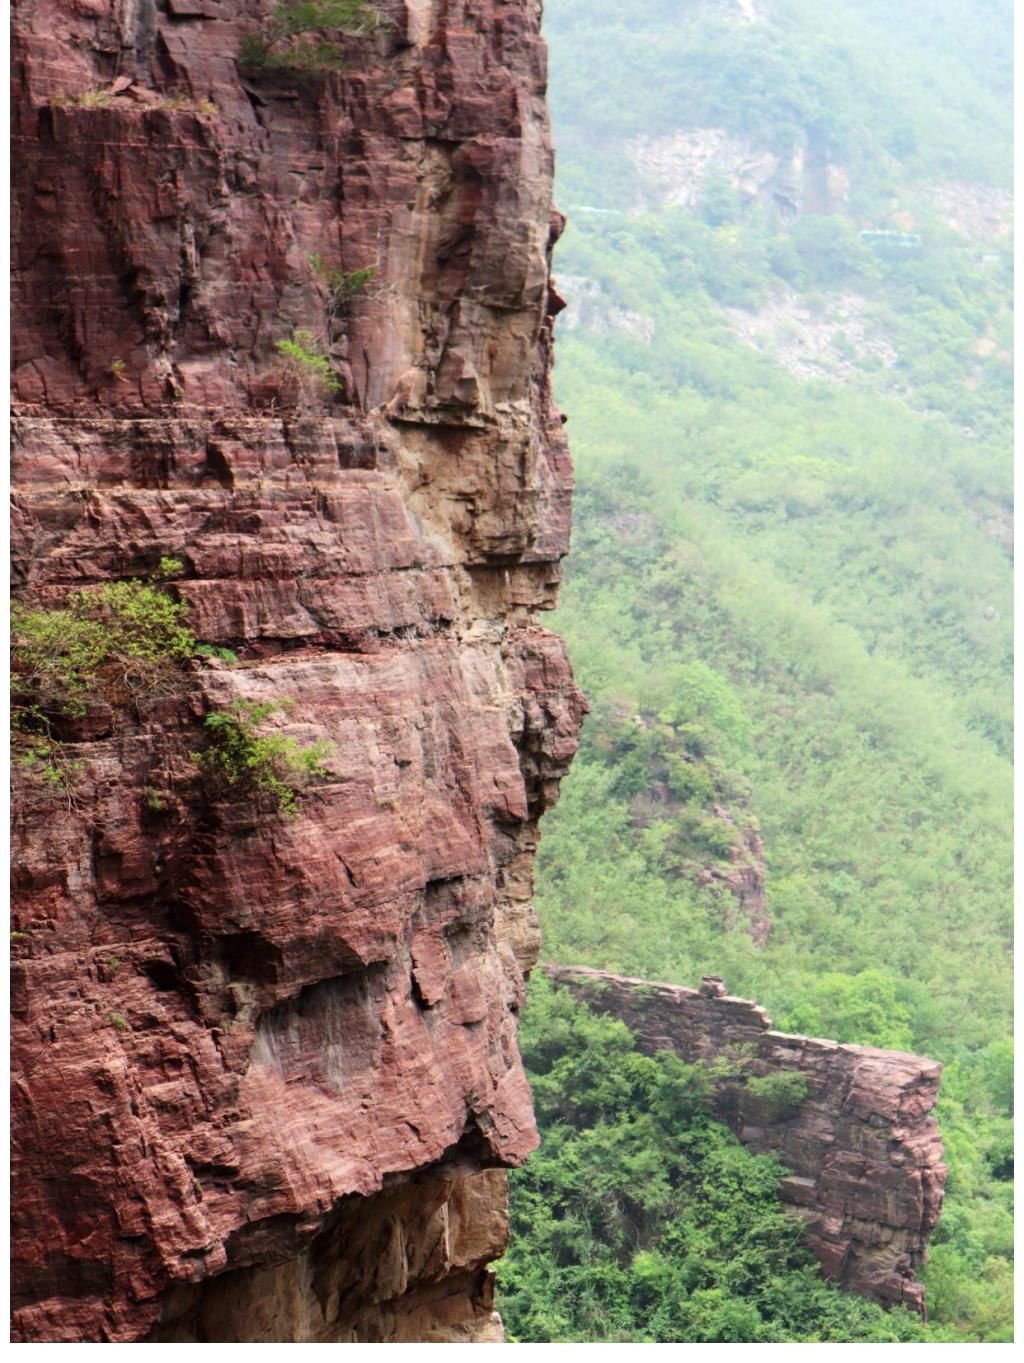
(642, 1219)
(788, 599)
(239, 761)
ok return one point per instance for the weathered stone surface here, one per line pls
(244, 1045)
(406, 1266)
(864, 1151)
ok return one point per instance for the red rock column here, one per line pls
(244, 1044)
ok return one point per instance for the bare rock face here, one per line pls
(675, 168)
(265, 1069)
(863, 1149)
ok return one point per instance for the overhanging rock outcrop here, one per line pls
(863, 1148)
(265, 1069)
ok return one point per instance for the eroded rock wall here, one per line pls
(265, 1069)
(863, 1148)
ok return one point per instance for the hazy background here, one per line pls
(789, 594)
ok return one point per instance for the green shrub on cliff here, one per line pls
(781, 1094)
(113, 645)
(342, 286)
(116, 640)
(283, 44)
(239, 761)
(305, 364)
(116, 644)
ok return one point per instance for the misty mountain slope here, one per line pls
(786, 362)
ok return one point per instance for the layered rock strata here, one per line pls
(265, 1069)
(863, 1150)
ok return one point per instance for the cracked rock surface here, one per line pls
(265, 1069)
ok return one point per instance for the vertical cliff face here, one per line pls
(265, 1069)
(863, 1149)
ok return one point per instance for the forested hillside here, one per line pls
(786, 362)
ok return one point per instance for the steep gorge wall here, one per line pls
(265, 1070)
(863, 1149)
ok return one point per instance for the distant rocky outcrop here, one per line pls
(742, 873)
(857, 1134)
(675, 167)
(831, 341)
(588, 307)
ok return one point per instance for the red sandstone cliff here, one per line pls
(265, 1071)
(863, 1149)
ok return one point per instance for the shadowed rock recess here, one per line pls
(863, 1150)
(265, 1069)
